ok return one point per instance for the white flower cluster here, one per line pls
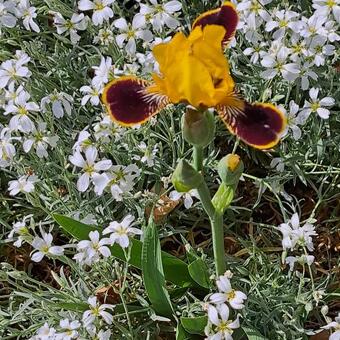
(294, 237)
(71, 328)
(92, 250)
(12, 10)
(219, 325)
(16, 103)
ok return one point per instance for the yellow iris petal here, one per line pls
(193, 69)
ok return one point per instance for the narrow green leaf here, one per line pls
(253, 334)
(153, 275)
(181, 333)
(194, 325)
(198, 270)
(175, 270)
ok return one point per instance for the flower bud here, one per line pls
(185, 177)
(230, 169)
(223, 197)
(198, 127)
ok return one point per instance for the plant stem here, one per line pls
(216, 219)
(198, 157)
(218, 243)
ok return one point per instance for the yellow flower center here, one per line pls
(231, 295)
(315, 106)
(283, 23)
(131, 33)
(330, 3)
(44, 249)
(89, 169)
(99, 6)
(224, 327)
(95, 311)
(22, 111)
(255, 7)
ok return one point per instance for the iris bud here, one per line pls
(230, 169)
(185, 177)
(198, 127)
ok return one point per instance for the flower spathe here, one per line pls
(194, 71)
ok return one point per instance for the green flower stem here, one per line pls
(218, 243)
(216, 219)
(198, 157)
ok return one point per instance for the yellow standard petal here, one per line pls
(194, 69)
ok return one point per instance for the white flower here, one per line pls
(83, 142)
(89, 166)
(106, 130)
(292, 121)
(291, 260)
(282, 20)
(23, 184)
(77, 22)
(91, 250)
(336, 326)
(7, 11)
(92, 94)
(21, 231)
(305, 73)
(312, 26)
(102, 73)
(219, 326)
(40, 139)
(120, 180)
(130, 33)
(319, 50)
(12, 70)
(11, 93)
(27, 13)
(277, 64)
(21, 107)
(160, 14)
(70, 329)
(61, 103)
(97, 311)
(100, 8)
(105, 37)
(234, 297)
(43, 246)
(149, 155)
(121, 231)
(188, 201)
(45, 332)
(255, 52)
(315, 105)
(332, 30)
(7, 149)
(294, 235)
(325, 7)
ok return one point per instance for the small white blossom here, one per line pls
(12, 70)
(102, 73)
(20, 231)
(61, 103)
(315, 105)
(90, 251)
(121, 231)
(336, 326)
(303, 259)
(69, 329)
(28, 13)
(23, 184)
(89, 165)
(40, 139)
(97, 311)
(43, 246)
(219, 326)
(187, 196)
(294, 235)
(101, 10)
(149, 154)
(130, 33)
(71, 26)
(92, 94)
(227, 294)
(7, 14)
(45, 332)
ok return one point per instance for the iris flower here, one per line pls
(194, 71)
